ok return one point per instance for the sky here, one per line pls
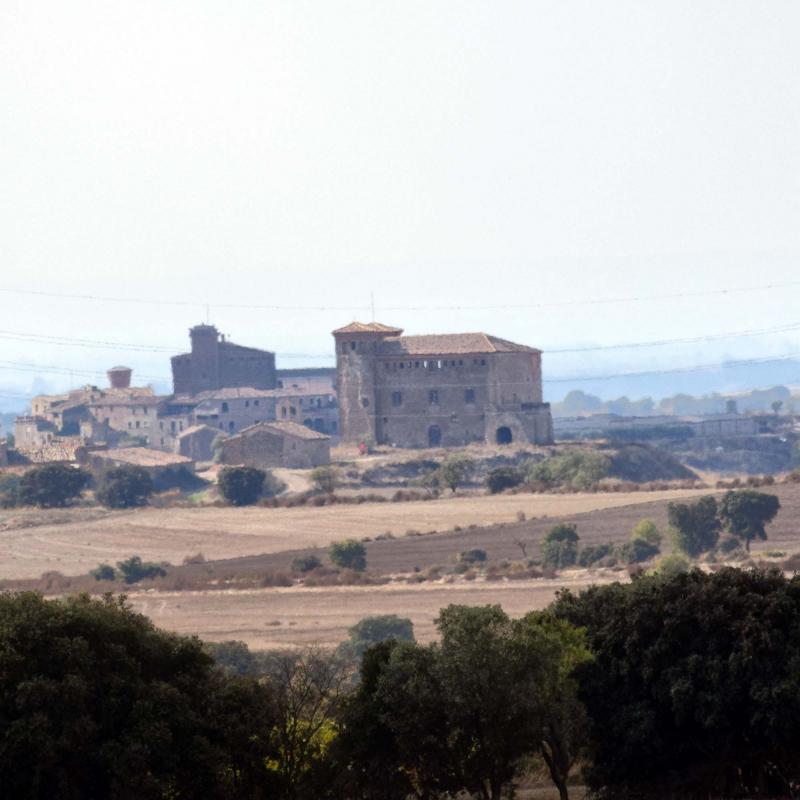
(562, 174)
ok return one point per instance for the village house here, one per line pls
(166, 469)
(276, 444)
(442, 390)
(197, 442)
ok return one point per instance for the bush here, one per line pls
(241, 486)
(577, 470)
(455, 469)
(348, 554)
(126, 486)
(672, 565)
(646, 530)
(325, 478)
(9, 490)
(475, 556)
(305, 564)
(591, 554)
(560, 546)
(501, 478)
(371, 630)
(104, 572)
(638, 550)
(134, 569)
(53, 485)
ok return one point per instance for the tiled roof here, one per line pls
(142, 457)
(282, 428)
(196, 429)
(368, 327)
(451, 344)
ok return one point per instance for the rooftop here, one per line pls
(284, 428)
(142, 457)
(445, 344)
(368, 327)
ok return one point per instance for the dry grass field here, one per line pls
(74, 541)
(276, 618)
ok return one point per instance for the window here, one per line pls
(469, 395)
(352, 345)
(247, 404)
(433, 397)
(364, 402)
(137, 423)
(255, 402)
(172, 426)
(130, 425)
(397, 399)
(224, 408)
(283, 411)
(231, 425)
(292, 411)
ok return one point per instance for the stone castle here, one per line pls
(448, 390)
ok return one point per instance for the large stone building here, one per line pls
(277, 444)
(448, 390)
(215, 363)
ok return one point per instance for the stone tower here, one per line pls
(357, 348)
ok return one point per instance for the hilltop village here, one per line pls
(232, 405)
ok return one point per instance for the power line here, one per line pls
(367, 308)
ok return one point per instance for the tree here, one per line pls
(776, 406)
(52, 485)
(104, 572)
(746, 514)
(371, 630)
(694, 690)
(696, 527)
(455, 470)
(241, 486)
(126, 486)
(501, 478)
(644, 544)
(305, 563)
(326, 478)
(9, 490)
(348, 554)
(97, 702)
(647, 530)
(560, 546)
(134, 569)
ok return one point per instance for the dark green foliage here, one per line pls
(235, 657)
(348, 554)
(593, 553)
(104, 572)
(372, 630)
(52, 485)
(696, 525)
(729, 544)
(579, 469)
(325, 478)
(746, 513)
(241, 486)
(638, 550)
(501, 478)
(9, 490)
(695, 690)
(560, 546)
(126, 486)
(134, 569)
(455, 470)
(475, 556)
(97, 703)
(305, 563)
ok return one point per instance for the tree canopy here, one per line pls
(746, 513)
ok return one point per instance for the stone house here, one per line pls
(277, 444)
(197, 442)
(166, 469)
(441, 390)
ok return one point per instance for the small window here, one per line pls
(433, 397)
(224, 408)
(397, 399)
(255, 402)
(352, 345)
(247, 404)
(483, 362)
(469, 396)
(283, 411)
(416, 365)
(231, 425)
(130, 425)
(137, 423)
(292, 411)
(365, 402)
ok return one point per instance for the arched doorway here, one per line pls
(503, 435)
(434, 436)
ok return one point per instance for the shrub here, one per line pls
(241, 486)
(305, 564)
(325, 478)
(52, 485)
(591, 554)
(348, 554)
(501, 478)
(9, 490)
(455, 469)
(371, 630)
(638, 550)
(104, 572)
(577, 470)
(126, 486)
(646, 530)
(560, 546)
(475, 556)
(134, 569)
(672, 565)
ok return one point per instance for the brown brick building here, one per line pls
(449, 390)
(214, 363)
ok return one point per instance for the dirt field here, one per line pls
(270, 618)
(80, 539)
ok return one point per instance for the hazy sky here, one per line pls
(499, 156)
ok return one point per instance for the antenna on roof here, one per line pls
(372, 304)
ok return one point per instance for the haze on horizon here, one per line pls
(472, 165)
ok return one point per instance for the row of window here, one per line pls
(433, 397)
(432, 364)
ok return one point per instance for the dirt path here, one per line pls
(219, 533)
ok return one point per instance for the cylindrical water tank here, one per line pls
(119, 377)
